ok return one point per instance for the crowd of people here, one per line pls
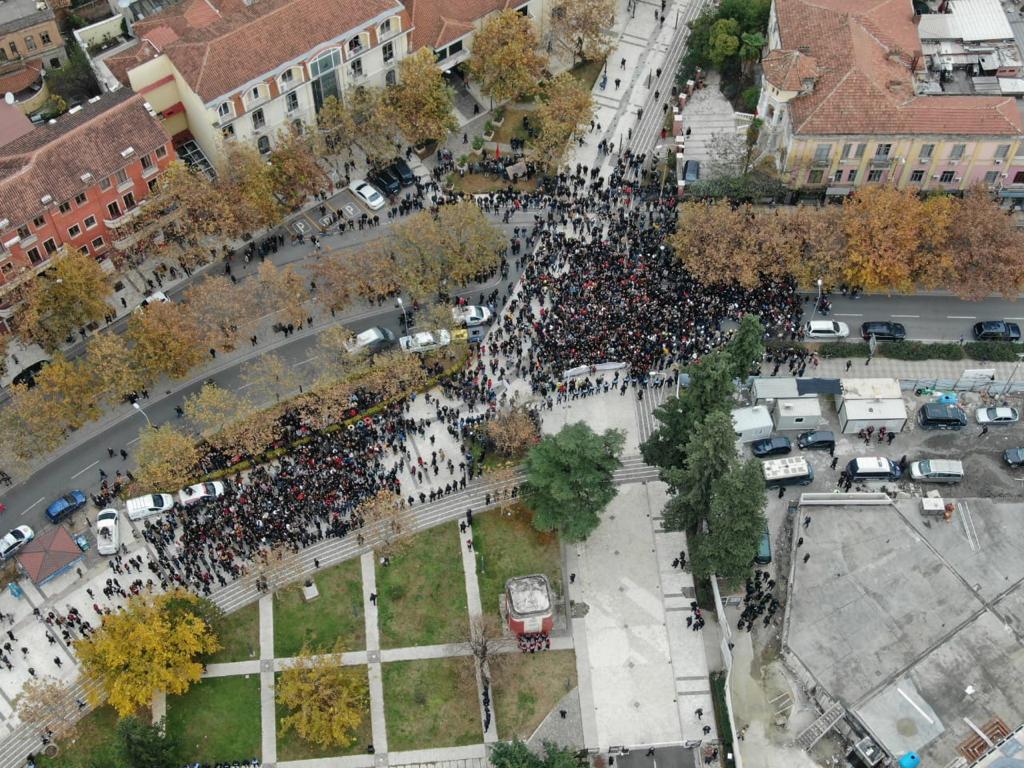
(758, 601)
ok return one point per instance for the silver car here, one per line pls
(997, 415)
(15, 540)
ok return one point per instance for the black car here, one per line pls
(771, 446)
(941, 416)
(403, 172)
(1014, 457)
(996, 330)
(883, 331)
(27, 376)
(820, 439)
(385, 181)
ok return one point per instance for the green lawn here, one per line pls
(508, 545)
(291, 746)
(422, 594)
(218, 719)
(527, 686)
(239, 634)
(431, 703)
(587, 72)
(512, 127)
(93, 744)
(338, 612)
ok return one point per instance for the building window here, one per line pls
(355, 45)
(287, 76)
(3, 57)
(883, 150)
(121, 176)
(851, 175)
(74, 231)
(152, 185)
(23, 232)
(258, 119)
(90, 222)
(114, 209)
(389, 52)
(104, 184)
(926, 152)
(821, 153)
(129, 201)
(50, 247)
(224, 110)
(837, 176)
(30, 42)
(45, 37)
(97, 243)
(357, 67)
(917, 176)
(390, 78)
(263, 145)
(385, 28)
(14, 47)
(161, 153)
(7, 268)
(54, 63)
(325, 62)
(64, 207)
(81, 198)
(147, 163)
(861, 148)
(455, 47)
(228, 131)
(254, 95)
(39, 221)
(991, 178)
(1002, 151)
(957, 152)
(946, 177)
(814, 177)
(291, 101)
(875, 175)
(33, 256)
(85, 250)
(846, 151)
(325, 80)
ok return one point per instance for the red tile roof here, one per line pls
(787, 70)
(439, 22)
(21, 79)
(13, 123)
(864, 51)
(223, 44)
(51, 158)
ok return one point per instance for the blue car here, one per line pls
(66, 506)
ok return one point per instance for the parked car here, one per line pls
(156, 297)
(691, 172)
(819, 440)
(108, 534)
(1014, 457)
(873, 468)
(65, 506)
(771, 446)
(826, 329)
(425, 341)
(369, 196)
(385, 181)
(401, 169)
(996, 330)
(151, 504)
(15, 539)
(471, 316)
(997, 415)
(196, 493)
(372, 340)
(941, 416)
(27, 375)
(937, 471)
(883, 331)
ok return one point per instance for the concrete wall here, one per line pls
(100, 32)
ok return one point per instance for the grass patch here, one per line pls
(338, 612)
(94, 744)
(478, 183)
(512, 128)
(527, 686)
(722, 717)
(431, 703)
(291, 746)
(422, 594)
(218, 719)
(507, 545)
(587, 72)
(239, 634)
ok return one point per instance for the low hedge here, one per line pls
(996, 351)
(919, 350)
(842, 349)
(989, 351)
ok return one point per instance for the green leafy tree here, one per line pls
(74, 81)
(710, 454)
(147, 746)
(735, 522)
(724, 42)
(569, 479)
(751, 45)
(515, 754)
(746, 347)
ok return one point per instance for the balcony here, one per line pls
(821, 162)
(123, 219)
(355, 49)
(881, 161)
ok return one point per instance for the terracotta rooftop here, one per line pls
(13, 123)
(51, 158)
(21, 79)
(787, 70)
(439, 22)
(220, 45)
(864, 52)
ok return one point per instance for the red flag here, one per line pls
(497, 152)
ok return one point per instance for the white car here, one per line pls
(15, 540)
(425, 341)
(196, 493)
(471, 316)
(1001, 415)
(151, 504)
(826, 329)
(108, 534)
(368, 194)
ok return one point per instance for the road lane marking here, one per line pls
(131, 442)
(1015, 318)
(307, 360)
(961, 317)
(83, 471)
(246, 386)
(906, 315)
(838, 314)
(40, 501)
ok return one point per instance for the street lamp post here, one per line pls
(1006, 387)
(817, 302)
(138, 408)
(404, 315)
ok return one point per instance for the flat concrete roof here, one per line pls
(915, 624)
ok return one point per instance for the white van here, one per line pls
(792, 470)
(150, 504)
(937, 471)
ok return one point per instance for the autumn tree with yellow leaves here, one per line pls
(167, 459)
(566, 106)
(583, 26)
(166, 341)
(422, 102)
(155, 644)
(505, 58)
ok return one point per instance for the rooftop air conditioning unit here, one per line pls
(128, 152)
(46, 199)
